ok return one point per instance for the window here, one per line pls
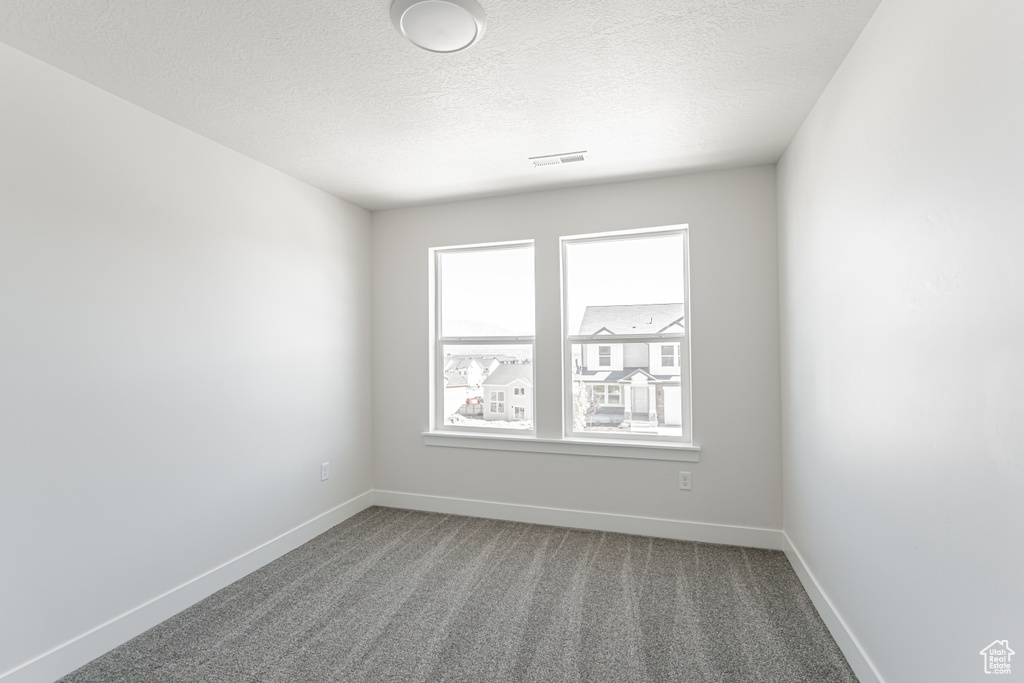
(625, 349)
(602, 394)
(668, 355)
(483, 329)
(630, 329)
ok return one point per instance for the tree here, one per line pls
(583, 405)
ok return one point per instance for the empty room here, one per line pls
(480, 340)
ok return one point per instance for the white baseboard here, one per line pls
(751, 537)
(847, 642)
(82, 649)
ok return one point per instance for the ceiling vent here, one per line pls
(564, 158)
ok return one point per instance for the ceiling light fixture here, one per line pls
(439, 25)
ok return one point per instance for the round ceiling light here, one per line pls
(439, 25)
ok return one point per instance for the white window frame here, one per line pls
(439, 342)
(519, 391)
(518, 409)
(497, 398)
(683, 340)
(601, 356)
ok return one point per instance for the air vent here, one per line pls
(564, 158)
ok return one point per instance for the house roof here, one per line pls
(456, 380)
(624, 375)
(459, 362)
(630, 319)
(504, 375)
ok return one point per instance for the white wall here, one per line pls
(733, 241)
(902, 291)
(184, 337)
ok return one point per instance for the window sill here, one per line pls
(637, 450)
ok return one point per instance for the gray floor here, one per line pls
(394, 595)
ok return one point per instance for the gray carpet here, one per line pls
(394, 595)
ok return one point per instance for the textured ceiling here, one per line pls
(330, 93)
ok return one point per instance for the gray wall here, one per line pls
(184, 337)
(733, 242)
(902, 295)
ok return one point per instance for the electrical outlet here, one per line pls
(323, 471)
(684, 481)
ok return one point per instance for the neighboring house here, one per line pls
(455, 381)
(508, 393)
(634, 385)
(505, 359)
(468, 368)
(489, 365)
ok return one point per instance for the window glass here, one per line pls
(625, 381)
(478, 378)
(484, 321)
(625, 347)
(487, 292)
(628, 271)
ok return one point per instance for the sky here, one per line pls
(487, 292)
(492, 292)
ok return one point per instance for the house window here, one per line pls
(474, 324)
(606, 394)
(518, 413)
(643, 306)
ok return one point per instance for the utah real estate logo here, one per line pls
(997, 657)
